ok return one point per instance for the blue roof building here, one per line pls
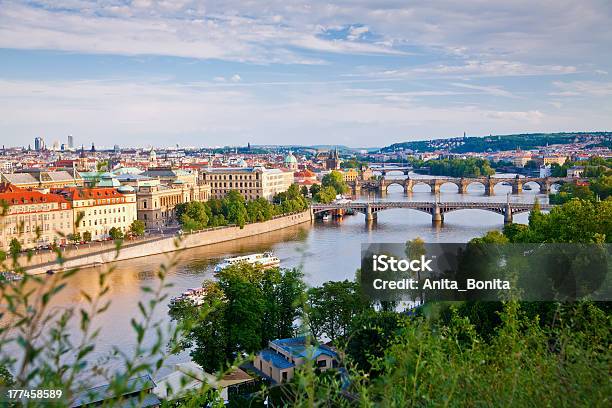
(279, 360)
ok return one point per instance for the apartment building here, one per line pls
(97, 210)
(251, 182)
(33, 218)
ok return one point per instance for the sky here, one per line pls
(356, 73)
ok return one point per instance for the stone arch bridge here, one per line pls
(380, 186)
(435, 209)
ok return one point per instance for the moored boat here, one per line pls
(195, 296)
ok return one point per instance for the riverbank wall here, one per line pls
(97, 255)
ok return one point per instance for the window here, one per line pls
(322, 363)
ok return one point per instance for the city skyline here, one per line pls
(357, 74)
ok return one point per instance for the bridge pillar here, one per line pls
(370, 214)
(437, 217)
(408, 185)
(517, 186)
(463, 184)
(435, 187)
(356, 188)
(382, 188)
(489, 187)
(508, 214)
(545, 186)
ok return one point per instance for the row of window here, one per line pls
(102, 222)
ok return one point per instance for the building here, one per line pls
(305, 178)
(350, 175)
(39, 144)
(251, 182)
(291, 162)
(575, 171)
(33, 218)
(168, 175)
(41, 179)
(191, 377)
(333, 160)
(138, 393)
(560, 160)
(157, 203)
(70, 142)
(545, 171)
(282, 356)
(97, 210)
(521, 160)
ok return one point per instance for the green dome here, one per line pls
(290, 159)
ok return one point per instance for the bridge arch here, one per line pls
(532, 184)
(394, 182)
(451, 182)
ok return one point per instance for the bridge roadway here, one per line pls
(380, 186)
(435, 209)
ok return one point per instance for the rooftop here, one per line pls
(105, 392)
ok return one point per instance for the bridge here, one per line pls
(435, 209)
(381, 185)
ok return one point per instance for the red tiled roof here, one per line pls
(73, 193)
(16, 196)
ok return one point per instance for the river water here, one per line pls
(325, 250)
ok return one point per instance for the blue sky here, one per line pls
(359, 73)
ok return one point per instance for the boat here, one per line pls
(526, 187)
(10, 276)
(195, 296)
(265, 260)
(326, 217)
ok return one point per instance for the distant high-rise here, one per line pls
(70, 141)
(39, 144)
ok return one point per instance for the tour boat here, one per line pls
(326, 217)
(526, 187)
(265, 260)
(194, 296)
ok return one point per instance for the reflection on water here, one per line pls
(326, 250)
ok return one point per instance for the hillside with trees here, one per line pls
(500, 142)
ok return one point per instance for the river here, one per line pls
(325, 250)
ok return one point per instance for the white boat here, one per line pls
(526, 187)
(326, 217)
(194, 296)
(265, 260)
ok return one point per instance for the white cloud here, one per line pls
(141, 112)
(235, 78)
(582, 88)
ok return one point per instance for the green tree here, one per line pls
(314, 189)
(137, 228)
(332, 306)
(192, 216)
(6, 378)
(115, 233)
(336, 180)
(87, 236)
(234, 208)
(75, 237)
(326, 195)
(304, 191)
(14, 247)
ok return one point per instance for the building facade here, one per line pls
(33, 218)
(97, 210)
(251, 182)
(157, 204)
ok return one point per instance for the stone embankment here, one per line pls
(94, 255)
